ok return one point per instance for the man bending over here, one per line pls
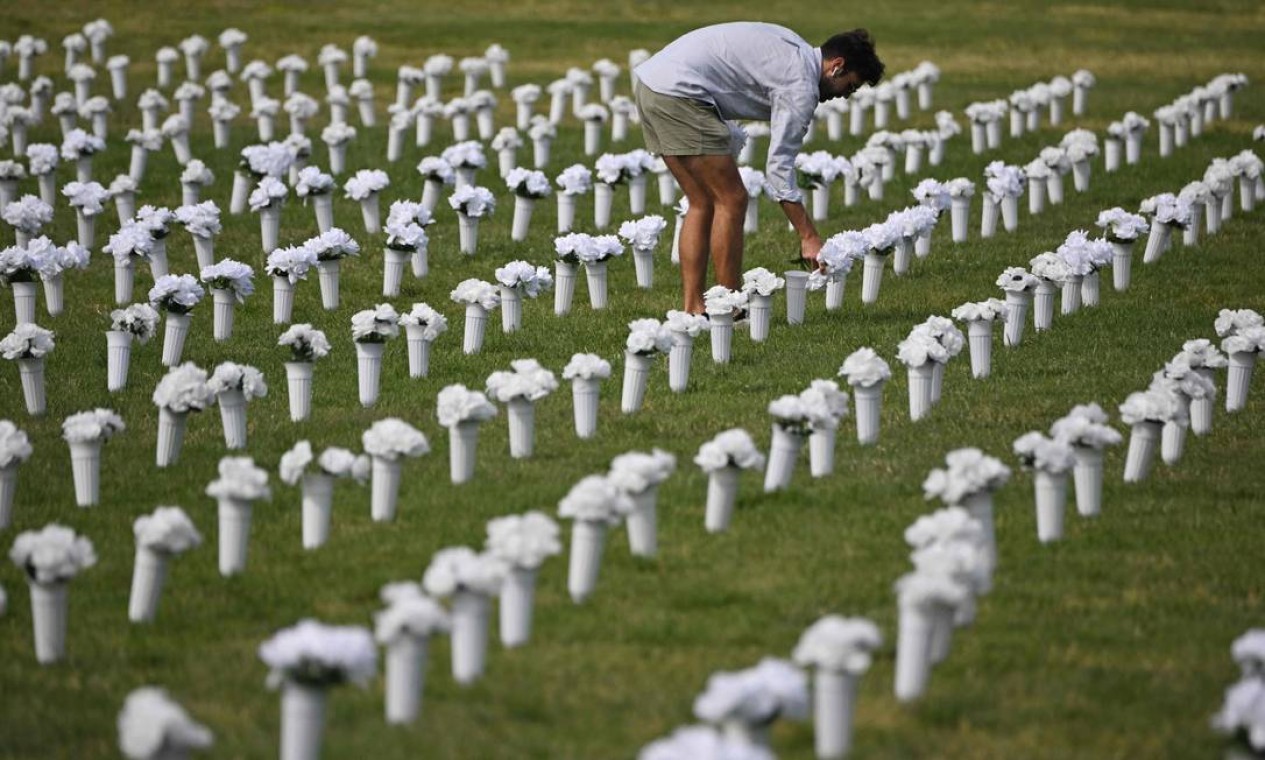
(686, 93)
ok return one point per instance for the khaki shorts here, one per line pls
(680, 126)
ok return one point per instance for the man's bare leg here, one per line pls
(695, 232)
(718, 175)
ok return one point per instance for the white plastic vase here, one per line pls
(223, 302)
(980, 340)
(959, 216)
(1143, 441)
(868, 401)
(821, 452)
(566, 212)
(783, 452)
(980, 507)
(636, 379)
(149, 572)
(643, 535)
(384, 489)
(282, 300)
(470, 613)
(596, 277)
(521, 414)
(1090, 289)
(679, 359)
(234, 538)
(871, 276)
(175, 332)
(834, 697)
(523, 208)
(759, 313)
(302, 721)
(328, 272)
(1010, 212)
(476, 326)
(270, 226)
(31, 373)
(323, 208)
(901, 257)
(722, 334)
(317, 505)
(49, 608)
(463, 442)
(511, 309)
(1201, 408)
(1088, 477)
(920, 378)
(1071, 295)
(1156, 242)
(118, 359)
(1043, 307)
(1051, 498)
(603, 199)
(643, 265)
(1238, 380)
(24, 295)
(587, 541)
(369, 371)
(796, 296)
(584, 396)
(418, 351)
(722, 493)
(299, 387)
(992, 214)
(171, 427)
(1121, 264)
(518, 593)
(913, 651)
(1036, 196)
(85, 466)
(393, 263)
(406, 658)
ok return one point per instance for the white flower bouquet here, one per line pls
(51, 557)
(422, 325)
(304, 661)
(646, 339)
(745, 703)
(164, 534)
(515, 280)
(594, 504)
(317, 484)
(839, 651)
(331, 247)
(586, 373)
(1050, 459)
(471, 580)
(573, 181)
(181, 391)
(684, 327)
(27, 345)
(387, 442)
(404, 627)
(639, 475)
(723, 458)
(1086, 430)
(239, 484)
(522, 543)
(86, 432)
(479, 297)
(461, 410)
(519, 389)
(151, 724)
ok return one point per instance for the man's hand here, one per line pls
(810, 246)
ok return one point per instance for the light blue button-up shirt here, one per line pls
(747, 70)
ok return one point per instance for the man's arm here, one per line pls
(809, 240)
(789, 123)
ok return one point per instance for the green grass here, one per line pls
(1112, 643)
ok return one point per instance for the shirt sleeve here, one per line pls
(788, 124)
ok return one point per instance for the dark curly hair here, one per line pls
(856, 48)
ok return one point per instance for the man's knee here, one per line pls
(732, 199)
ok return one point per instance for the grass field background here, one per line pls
(1112, 643)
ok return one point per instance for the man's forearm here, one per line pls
(800, 220)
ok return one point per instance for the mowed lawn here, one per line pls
(1112, 643)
